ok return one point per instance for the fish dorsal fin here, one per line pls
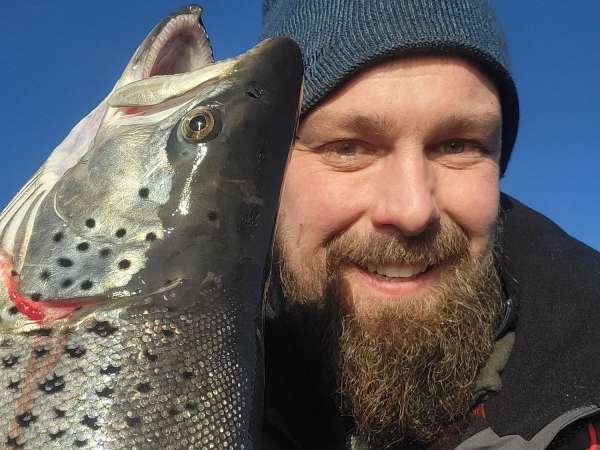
(159, 89)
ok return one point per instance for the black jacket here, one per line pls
(550, 395)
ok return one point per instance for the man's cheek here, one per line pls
(472, 203)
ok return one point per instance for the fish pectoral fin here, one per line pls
(161, 88)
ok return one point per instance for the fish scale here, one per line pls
(132, 265)
(98, 387)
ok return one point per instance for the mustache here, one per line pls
(447, 243)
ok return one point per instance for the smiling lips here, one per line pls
(397, 272)
(393, 281)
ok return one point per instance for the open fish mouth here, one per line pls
(178, 44)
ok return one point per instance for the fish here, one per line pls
(134, 263)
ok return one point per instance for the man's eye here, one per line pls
(457, 146)
(347, 155)
(345, 148)
(453, 147)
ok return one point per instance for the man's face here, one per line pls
(389, 211)
(404, 149)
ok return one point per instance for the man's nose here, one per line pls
(405, 194)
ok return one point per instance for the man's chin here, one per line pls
(407, 365)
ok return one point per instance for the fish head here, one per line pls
(223, 133)
(182, 178)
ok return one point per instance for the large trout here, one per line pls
(132, 264)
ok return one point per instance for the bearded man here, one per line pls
(417, 306)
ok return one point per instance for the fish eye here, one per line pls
(197, 125)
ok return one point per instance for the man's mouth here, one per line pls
(399, 272)
(392, 280)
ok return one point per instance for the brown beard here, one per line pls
(406, 373)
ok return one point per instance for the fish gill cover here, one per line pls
(132, 263)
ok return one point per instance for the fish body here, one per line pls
(132, 264)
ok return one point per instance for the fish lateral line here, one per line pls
(40, 311)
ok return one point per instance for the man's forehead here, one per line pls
(379, 97)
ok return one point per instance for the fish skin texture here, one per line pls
(131, 276)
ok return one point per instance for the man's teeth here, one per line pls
(396, 271)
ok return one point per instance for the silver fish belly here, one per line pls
(132, 265)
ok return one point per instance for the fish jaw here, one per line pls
(179, 43)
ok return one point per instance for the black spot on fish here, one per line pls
(59, 413)
(187, 374)
(150, 356)
(56, 435)
(124, 264)
(67, 282)
(36, 296)
(110, 370)
(14, 385)
(9, 361)
(83, 246)
(53, 385)
(40, 352)
(26, 419)
(106, 392)
(14, 273)
(12, 442)
(255, 92)
(13, 310)
(90, 422)
(167, 333)
(90, 223)
(144, 192)
(102, 328)
(58, 237)
(75, 352)
(190, 406)
(80, 442)
(120, 232)
(133, 421)
(212, 216)
(105, 252)
(64, 262)
(143, 388)
(86, 285)
(151, 237)
(45, 274)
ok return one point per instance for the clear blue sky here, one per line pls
(59, 59)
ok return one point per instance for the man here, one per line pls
(418, 307)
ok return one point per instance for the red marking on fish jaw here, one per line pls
(129, 110)
(38, 311)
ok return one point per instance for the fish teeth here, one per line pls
(397, 270)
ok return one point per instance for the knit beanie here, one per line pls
(339, 37)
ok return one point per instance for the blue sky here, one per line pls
(59, 59)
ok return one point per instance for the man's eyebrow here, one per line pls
(360, 123)
(486, 122)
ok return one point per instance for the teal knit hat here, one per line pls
(339, 37)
